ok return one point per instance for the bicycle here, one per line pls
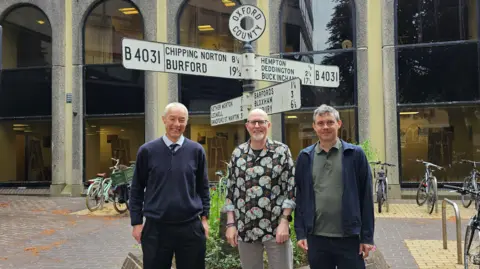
(381, 184)
(470, 182)
(114, 189)
(471, 251)
(428, 185)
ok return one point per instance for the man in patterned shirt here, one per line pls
(261, 197)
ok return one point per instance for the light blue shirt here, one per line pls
(168, 142)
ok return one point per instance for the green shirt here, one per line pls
(328, 188)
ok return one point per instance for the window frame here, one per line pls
(447, 104)
(354, 50)
(85, 117)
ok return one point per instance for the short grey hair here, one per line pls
(324, 109)
(175, 104)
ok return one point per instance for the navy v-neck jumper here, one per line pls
(169, 187)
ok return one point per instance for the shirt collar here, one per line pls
(269, 146)
(168, 142)
(338, 146)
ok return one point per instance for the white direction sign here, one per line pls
(279, 98)
(279, 70)
(163, 57)
(226, 112)
(275, 99)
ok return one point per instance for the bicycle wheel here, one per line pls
(380, 196)
(467, 199)
(94, 195)
(431, 197)
(119, 207)
(421, 192)
(471, 256)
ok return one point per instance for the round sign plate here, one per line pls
(238, 19)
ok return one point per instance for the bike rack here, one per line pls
(459, 227)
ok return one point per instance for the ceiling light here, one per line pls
(20, 125)
(40, 22)
(291, 117)
(409, 113)
(128, 10)
(207, 27)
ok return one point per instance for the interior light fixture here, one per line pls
(41, 22)
(409, 113)
(228, 3)
(128, 10)
(19, 125)
(207, 27)
(291, 117)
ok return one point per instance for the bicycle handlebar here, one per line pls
(116, 160)
(462, 190)
(380, 163)
(427, 164)
(469, 161)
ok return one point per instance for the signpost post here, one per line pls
(247, 23)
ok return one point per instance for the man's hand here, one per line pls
(303, 244)
(282, 234)
(205, 226)
(231, 235)
(137, 232)
(365, 249)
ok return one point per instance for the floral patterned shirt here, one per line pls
(259, 187)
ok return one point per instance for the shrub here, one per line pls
(219, 254)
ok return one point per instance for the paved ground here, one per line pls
(42, 232)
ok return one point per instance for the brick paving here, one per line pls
(42, 232)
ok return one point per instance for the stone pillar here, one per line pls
(390, 96)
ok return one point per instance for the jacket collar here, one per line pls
(311, 149)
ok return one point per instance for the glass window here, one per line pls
(20, 97)
(438, 74)
(27, 38)
(106, 25)
(442, 135)
(112, 89)
(300, 134)
(108, 138)
(332, 20)
(26, 151)
(218, 141)
(421, 21)
(204, 24)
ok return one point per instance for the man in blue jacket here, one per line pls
(170, 189)
(334, 217)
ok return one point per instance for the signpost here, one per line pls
(247, 23)
(275, 99)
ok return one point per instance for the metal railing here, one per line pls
(458, 227)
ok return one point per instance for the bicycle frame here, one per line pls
(431, 182)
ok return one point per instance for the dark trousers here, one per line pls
(161, 241)
(328, 252)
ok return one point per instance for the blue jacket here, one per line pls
(357, 200)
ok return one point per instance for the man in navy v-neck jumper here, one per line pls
(170, 189)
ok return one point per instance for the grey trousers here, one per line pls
(280, 256)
